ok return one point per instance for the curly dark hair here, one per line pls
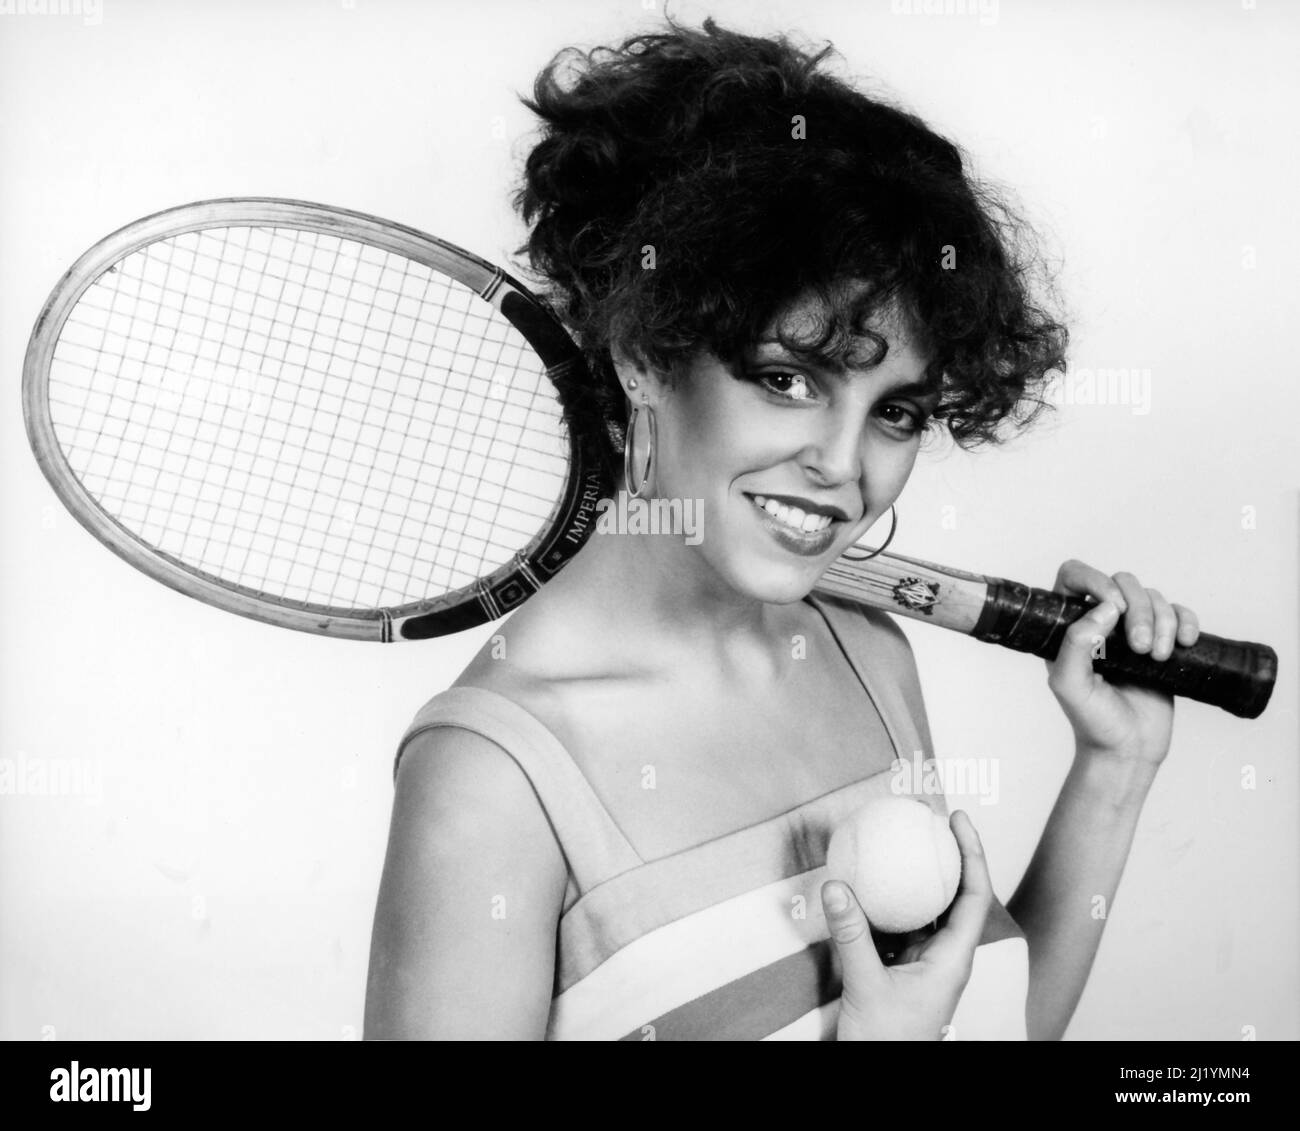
(687, 141)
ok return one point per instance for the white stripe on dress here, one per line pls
(693, 956)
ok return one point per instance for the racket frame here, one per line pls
(489, 597)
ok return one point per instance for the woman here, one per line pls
(615, 823)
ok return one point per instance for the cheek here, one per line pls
(888, 465)
(705, 442)
(700, 427)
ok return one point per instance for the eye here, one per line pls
(786, 385)
(903, 418)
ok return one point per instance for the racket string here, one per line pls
(454, 549)
(547, 454)
(541, 500)
(447, 550)
(331, 356)
(131, 336)
(411, 504)
(220, 491)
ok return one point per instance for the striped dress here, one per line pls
(726, 940)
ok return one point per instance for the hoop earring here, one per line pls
(893, 526)
(648, 465)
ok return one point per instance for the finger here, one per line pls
(959, 937)
(1139, 621)
(1166, 625)
(1082, 579)
(1189, 626)
(1072, 677)
(851, 933)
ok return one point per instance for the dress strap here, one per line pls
(594, 847)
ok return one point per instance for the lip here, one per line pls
(806, 545)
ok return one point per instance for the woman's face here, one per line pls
(793, 462)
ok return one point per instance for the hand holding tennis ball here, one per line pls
(916, 999)
(901, 860)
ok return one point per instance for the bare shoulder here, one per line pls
(551, 632)
(454, 780)
(549, 649)
(472, 889)
(462, 798)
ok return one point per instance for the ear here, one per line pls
(638, 379)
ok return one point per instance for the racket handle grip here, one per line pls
(1236, 675)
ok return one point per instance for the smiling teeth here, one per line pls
(793, 516)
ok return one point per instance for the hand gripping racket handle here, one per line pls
(1233, 674)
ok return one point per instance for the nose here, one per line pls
(833, 456)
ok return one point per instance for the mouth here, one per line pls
(800, 525)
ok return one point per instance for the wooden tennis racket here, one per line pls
(337, 424)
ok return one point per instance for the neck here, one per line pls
(657, 588)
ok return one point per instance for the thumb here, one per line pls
(851, 933)
(965, 926)
(1072, 677)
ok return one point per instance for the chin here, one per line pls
(775, 585)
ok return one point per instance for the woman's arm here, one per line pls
(1070, 885)
(463, 946)
(1122, 735)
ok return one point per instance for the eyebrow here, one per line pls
(916, 389)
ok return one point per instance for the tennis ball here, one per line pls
(901, 860)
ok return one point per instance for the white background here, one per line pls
(223, 881)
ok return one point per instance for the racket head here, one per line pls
(298, 339)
